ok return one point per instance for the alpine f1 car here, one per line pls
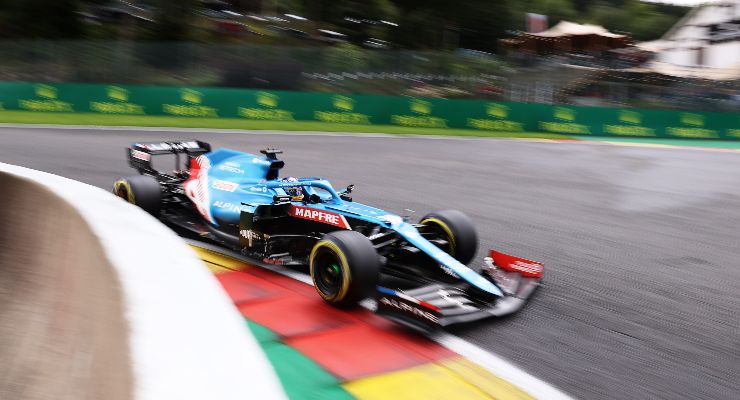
(416, 271)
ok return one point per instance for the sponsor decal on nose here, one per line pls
(322, 216)
(225, 185)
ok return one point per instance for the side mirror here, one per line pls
(345, 194)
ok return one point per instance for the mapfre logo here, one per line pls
(324, 217)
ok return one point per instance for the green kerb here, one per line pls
(301, 378)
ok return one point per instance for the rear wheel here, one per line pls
(141, 190)
(455, 228)
(344, 267)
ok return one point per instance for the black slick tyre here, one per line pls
(344, 267)
(457, 229)
(141, 190)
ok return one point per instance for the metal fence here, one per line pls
(349, 69)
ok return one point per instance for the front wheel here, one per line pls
(457, 231)
(344, 267)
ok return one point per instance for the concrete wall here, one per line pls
(98, 300)
(62, 328)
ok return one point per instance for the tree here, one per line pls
(47, 19)
(642, 20)
(438, 24)
(357, 19)
(555, 10)
(172, 19)
(484, 23)
(422, 24)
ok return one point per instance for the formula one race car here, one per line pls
(416, 272)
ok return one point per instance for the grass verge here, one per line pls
(25, 117)
(712, 143)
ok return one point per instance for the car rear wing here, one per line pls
(140, 154)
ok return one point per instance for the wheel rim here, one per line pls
(328, 275)
(442, 231)
(121, 190)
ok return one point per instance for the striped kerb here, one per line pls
(320, 352)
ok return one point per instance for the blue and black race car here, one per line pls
(416, 271)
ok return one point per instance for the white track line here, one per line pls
(493, 363)
(500, 367)
(605, 142)
(243, 131)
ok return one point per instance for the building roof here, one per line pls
(653, 46)
(567, 28)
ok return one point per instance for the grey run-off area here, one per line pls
(641, 245)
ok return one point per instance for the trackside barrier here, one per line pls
(98, 300)
(481, 115)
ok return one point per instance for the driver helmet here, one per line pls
(295, 193)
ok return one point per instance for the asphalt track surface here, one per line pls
(641, 245)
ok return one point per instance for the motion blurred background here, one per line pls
(624, 53)
(642, 299)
